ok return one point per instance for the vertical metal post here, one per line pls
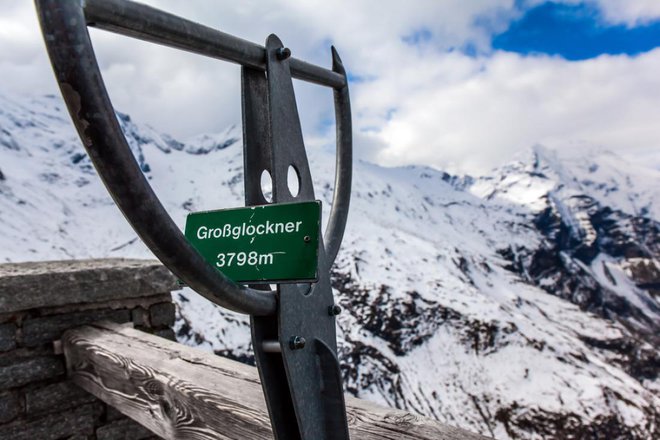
(307, 360)
(257, 159)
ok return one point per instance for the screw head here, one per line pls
(297, 342)
(283, 53)
(334, 310)
(307, 238)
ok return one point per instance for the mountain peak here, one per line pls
(520, 304)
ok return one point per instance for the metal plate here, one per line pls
(269, 243)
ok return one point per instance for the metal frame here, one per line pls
(273, 142)
(301, 380)
(64, 25)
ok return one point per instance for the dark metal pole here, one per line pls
(344, 165)
(64, 25)
(293, 329)
(150, 24)
(299, 346)
(81, 83)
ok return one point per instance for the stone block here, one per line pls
(16, 371)
(166, 333)
(162, 314)
(123, 429)
(79, 421)
(46, 329)
(10, 406)
(112, 414)
(55, 397)
(7, 336)
(55, 283)
(140, 317)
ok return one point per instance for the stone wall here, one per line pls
(38, 302)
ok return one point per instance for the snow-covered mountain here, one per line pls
(523, 304)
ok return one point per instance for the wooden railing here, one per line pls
(179, 392)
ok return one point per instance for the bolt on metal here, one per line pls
(283, 53)
(297, 342)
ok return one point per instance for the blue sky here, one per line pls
(575, 32)
(456, 84)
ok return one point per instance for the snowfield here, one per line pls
(523, 304)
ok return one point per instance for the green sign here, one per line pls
(267, 243)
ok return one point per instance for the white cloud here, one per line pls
(629, 12)
(155, 84)
(507, 102)
(24, 66)
(421, 103)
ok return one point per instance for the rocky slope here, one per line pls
(523, 304)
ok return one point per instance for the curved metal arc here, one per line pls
(344, 165)
(72, 56)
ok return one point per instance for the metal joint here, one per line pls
(302, 387)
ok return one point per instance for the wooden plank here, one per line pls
(179, 392)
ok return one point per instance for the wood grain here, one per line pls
(179, 392)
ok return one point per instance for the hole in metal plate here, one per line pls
(293, 181)
(267, 186)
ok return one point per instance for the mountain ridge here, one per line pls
(444, 280)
